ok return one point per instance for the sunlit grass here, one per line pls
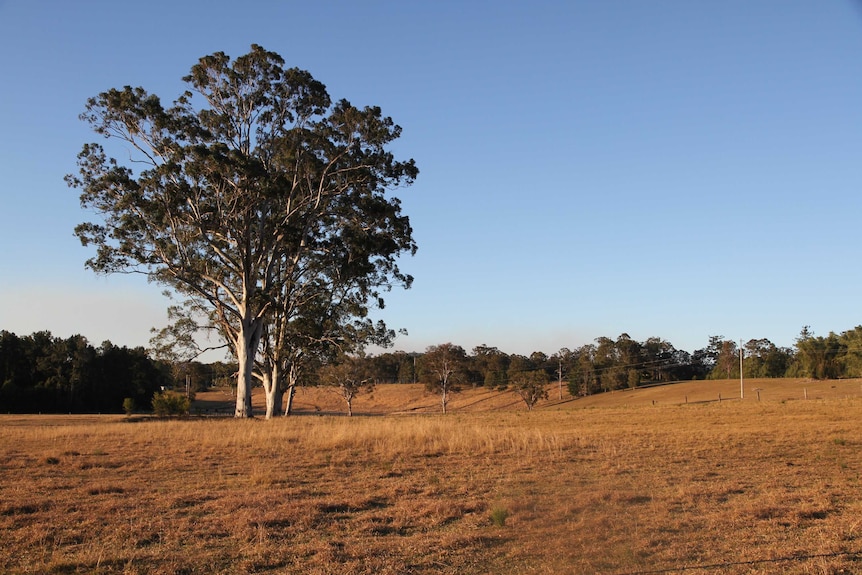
(613, 489)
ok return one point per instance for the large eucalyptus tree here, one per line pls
(252, 194)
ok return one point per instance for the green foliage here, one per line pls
(491, 365)
(258, 198)
(726, 358)
(43, 373)
(852, 341)
(764, 359)
(170, 403)
(530, 386)
(129, 405)
(499, 516)
(442, 368)
(819, 357)
(349, 376)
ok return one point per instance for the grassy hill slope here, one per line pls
(414, 398)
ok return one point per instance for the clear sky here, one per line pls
(667, 168)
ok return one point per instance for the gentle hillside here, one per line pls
(770, 390)
(413, 398)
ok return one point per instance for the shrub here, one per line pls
(170, 403)
(129, 405)
(499, 516)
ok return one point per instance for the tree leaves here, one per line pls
(266, 202)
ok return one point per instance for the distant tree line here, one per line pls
(612, 364)
(42, 373)
(604, 365)
(833, 356)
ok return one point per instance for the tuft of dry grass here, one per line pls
(735, 487)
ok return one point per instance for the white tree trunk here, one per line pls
(291, 390)
(273, 390)
(274, 401)
(247, 342)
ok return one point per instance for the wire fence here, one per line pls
(749, 563)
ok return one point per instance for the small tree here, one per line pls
(442, 365)
(349, 376)
(170, 403)
(530, 386)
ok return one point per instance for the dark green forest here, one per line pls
(40, 373)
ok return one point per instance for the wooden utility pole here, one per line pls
(741, 388)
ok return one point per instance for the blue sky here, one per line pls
(662, 168)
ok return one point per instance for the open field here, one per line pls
(631, 482)
(414, 399)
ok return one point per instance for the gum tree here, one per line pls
(247, 194)
(443, 365)
(349, 376)
(531, 386)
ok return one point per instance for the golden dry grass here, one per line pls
(414, 399)
(586, 487)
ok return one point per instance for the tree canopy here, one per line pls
(48, 374)
(257, 198)
(43, 373)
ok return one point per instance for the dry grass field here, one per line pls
(658, 480)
